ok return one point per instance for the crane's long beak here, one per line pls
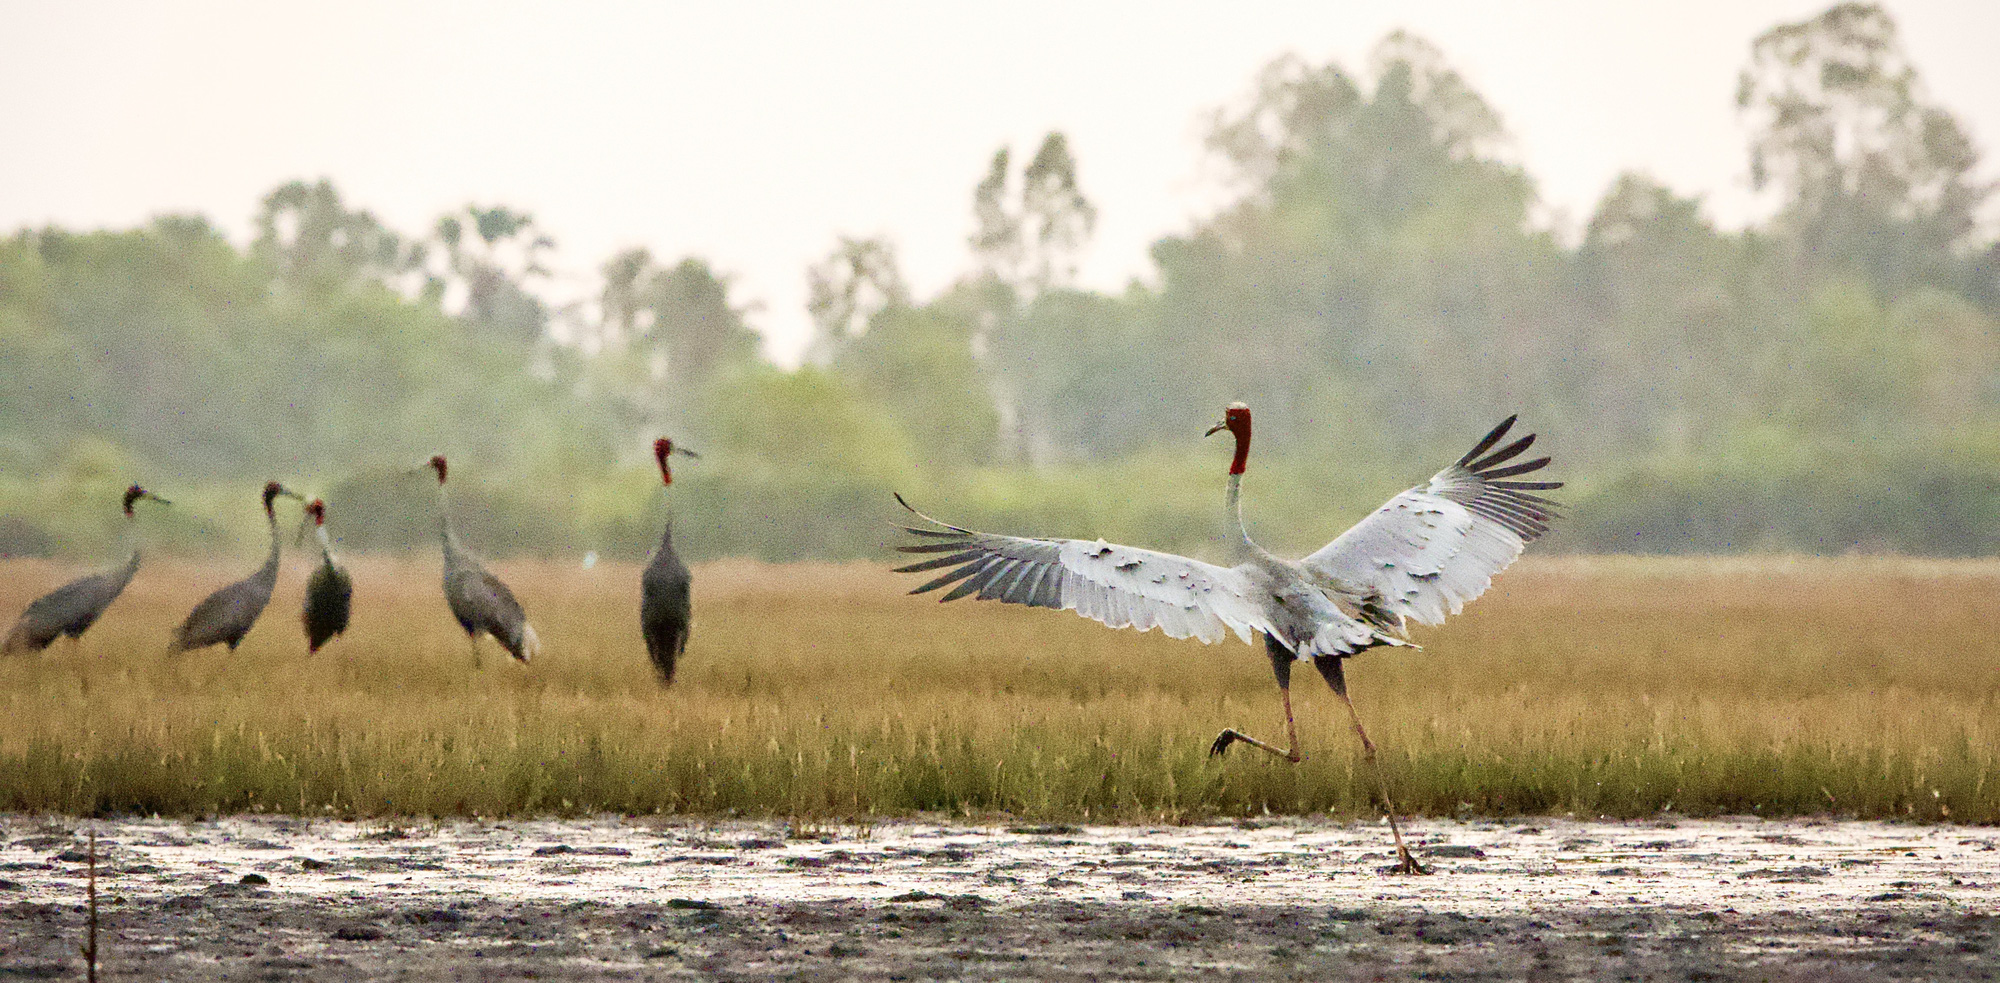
(678, 449)
(1212, 431)
(149, 495)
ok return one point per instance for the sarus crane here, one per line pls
(329, 590)
(1421, 556)
(665, 607)
(72, 608)
(479, 601)
(227, 615)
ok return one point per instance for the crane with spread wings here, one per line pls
(1420, 557)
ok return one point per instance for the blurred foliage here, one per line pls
(1382, 286)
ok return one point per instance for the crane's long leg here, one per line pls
(1289, 753)
(473, 637)
(1329, 666)
(1281, 666)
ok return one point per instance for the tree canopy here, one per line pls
(1379, 284)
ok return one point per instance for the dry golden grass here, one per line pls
(1596, 686)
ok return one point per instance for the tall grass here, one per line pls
(1622, 687)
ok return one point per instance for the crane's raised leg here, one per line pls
(1281, 666)
(1329, 667)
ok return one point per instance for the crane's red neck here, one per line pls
(271, 492)
(132, 494)
(317, 509)
(436, 463)
(1236, 420)
(661, 448)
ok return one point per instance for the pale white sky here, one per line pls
(753, 133)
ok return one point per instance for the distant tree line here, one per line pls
(1379, 287)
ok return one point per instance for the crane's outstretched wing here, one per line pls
(1118, 585)
(1429, 550)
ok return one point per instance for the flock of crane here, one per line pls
(480, 601)
(1421, 556)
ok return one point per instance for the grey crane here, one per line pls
(479, 601)
(72, 608)
(665, 607)
(1421, 556)
(329, 590)
(227, 615)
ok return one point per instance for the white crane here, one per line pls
(1421, 556)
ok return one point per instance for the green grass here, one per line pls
(1855, 687)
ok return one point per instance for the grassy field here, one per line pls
(1618, 687)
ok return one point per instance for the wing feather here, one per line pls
(1428, 551)
(1121, 586)
(944, 561)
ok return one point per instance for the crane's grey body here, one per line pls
(329, 595)
(227, 615)
(479, 601)
(665, 606)
(70, 609)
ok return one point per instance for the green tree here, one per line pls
(917, 362)
(488, 272)
(315, 243)
(1875, 180)
(846, 290)
(1031, 237)
(1379, 266)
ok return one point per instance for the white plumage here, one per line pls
(1422, 556)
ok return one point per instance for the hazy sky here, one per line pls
(754, 133)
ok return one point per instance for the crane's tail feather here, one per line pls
(21, 639)
(531, 644)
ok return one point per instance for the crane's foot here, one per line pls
(1231, 736)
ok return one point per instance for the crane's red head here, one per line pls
(135, 494)
(272, 490)
(1236, 420)
(436, 463)
(317, 510)
(661, 449)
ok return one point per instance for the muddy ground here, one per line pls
(278, 899)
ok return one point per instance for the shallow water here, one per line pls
(345, 900)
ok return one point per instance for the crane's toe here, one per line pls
(1222, 742)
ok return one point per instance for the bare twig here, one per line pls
(89, 948)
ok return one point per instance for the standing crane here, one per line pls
(479, 601)
(329, 590)
(664, 603)
(228, 614)
(72, 608)
(1421, 556)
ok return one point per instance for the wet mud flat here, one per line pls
(280, 899)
